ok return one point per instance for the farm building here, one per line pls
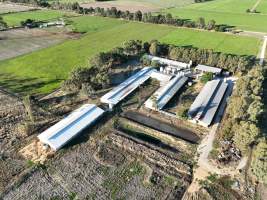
(127, 87)
(170, 63)
(164, 94)
(205, 68)
(161, 77)
(206, 104)
(62, 132)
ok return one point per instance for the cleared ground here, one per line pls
(123, 5)
(14, 19)
(17, 42)
(152, 3)
(9, 8)
(42, 71)
(230, 12)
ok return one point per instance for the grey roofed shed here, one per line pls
(205, 68)
(207, 102)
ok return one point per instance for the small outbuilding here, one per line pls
(205, 69)
(65, 130)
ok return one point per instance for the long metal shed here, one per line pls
(207, 102)
(62, 132)
(214, 105)
(124, 89)
(164, 94)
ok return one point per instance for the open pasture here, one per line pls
(262, 7)
(10, 8)
(14, 19)
(230, 12)
(43, 71)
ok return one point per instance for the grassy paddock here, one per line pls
(230, 12)
(42, 71)
(14, 19)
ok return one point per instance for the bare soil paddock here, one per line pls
(123, 5)
(17, 42)
(10, 8)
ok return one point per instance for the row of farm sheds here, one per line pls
(203, 109)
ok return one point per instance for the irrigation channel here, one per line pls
(161, 126)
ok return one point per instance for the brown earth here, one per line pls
(125, 5)
(21, 41)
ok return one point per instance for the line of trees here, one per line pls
(168, 19)
(242, 120)
(95, 76)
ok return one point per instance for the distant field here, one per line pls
(14, 19)
(230, 12)
(42, 71)
(21, 41)
(131, 6)
(262, 7)
(9, 8)
(153, 3)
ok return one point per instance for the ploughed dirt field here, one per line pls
(17, 42)
(123, 5)
(114, 159)
(9, 8)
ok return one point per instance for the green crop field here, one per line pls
(230, 12)
(42, 71)
(14, 19)
(262, 7)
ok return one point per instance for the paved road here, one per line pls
(263, 50)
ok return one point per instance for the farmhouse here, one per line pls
(206, 104)
(127, 87)
(165, 93)
(65, 130)
(205, 68)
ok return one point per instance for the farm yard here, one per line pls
(22, 41)
(223, 12)
(10, 8)
(102, 35)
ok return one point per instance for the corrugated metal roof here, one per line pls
(207, 102)
(206, 68)
(203, 98)
(213, 106)
(128, 86)
(168, 61)
(164, 94)
(65, 130)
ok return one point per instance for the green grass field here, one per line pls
(42, 71)
(230, 12)
(262, 7)
(14, 19)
